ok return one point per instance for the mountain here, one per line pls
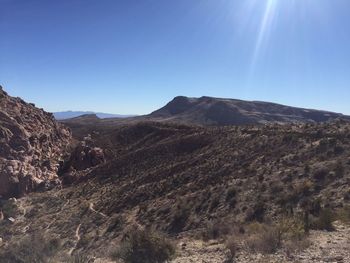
(31, 145)
(219, 111)
(63, 115)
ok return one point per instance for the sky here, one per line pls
(133, 56)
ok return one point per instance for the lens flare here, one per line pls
(265, 28)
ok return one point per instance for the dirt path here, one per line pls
(77, 237)
(91, 207)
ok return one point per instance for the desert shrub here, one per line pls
(33, 249)
(324, 221)
(307, 169)
(257, 212)
(179, 218)
(215, 229)
(338, 149)
(9, 208)
(116, 225)
(144, 246)
(231, 193)
(315, 207)
(293, 246)
(304, 188)
(231, 245)
(343, 214)
(320, 174)
(266, 241)
(214, 203)
(339, 169)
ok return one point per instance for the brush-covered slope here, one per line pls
(217, 111)
(178, 178)
(31, 143)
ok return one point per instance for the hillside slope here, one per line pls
(179, 178)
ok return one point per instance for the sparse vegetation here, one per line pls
(179, 218)
(216, 229)
(31, 249)
(324, 221)
(144, 246)
(241, 174)
(343, 214)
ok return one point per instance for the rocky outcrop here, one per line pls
(31, 144)
(84, 157)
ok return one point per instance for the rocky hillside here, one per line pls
(216, 111)
(31, 145)
(192, 183)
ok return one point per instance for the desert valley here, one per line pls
(199, 180)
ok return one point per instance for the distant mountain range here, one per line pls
(63, 115)
(209, 111)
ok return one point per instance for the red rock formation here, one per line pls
(31, 144)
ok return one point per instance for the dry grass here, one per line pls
(31, 249)
(144, 246)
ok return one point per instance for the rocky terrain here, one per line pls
(252, 193)
(31, 145)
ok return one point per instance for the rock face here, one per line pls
(218, 111)
(31, 144)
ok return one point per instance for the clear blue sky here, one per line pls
(132, 56)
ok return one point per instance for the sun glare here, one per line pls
(265, 27)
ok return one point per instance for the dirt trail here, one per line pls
(91, 207)
(77, 237)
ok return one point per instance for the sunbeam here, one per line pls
(265, 27)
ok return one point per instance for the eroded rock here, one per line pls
(31, 143)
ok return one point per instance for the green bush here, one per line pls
(144, 246)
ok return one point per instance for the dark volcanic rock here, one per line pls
(31, 143)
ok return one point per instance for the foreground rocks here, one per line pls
(31, 144)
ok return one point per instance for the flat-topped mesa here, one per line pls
(31, 144)
(222, 111)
